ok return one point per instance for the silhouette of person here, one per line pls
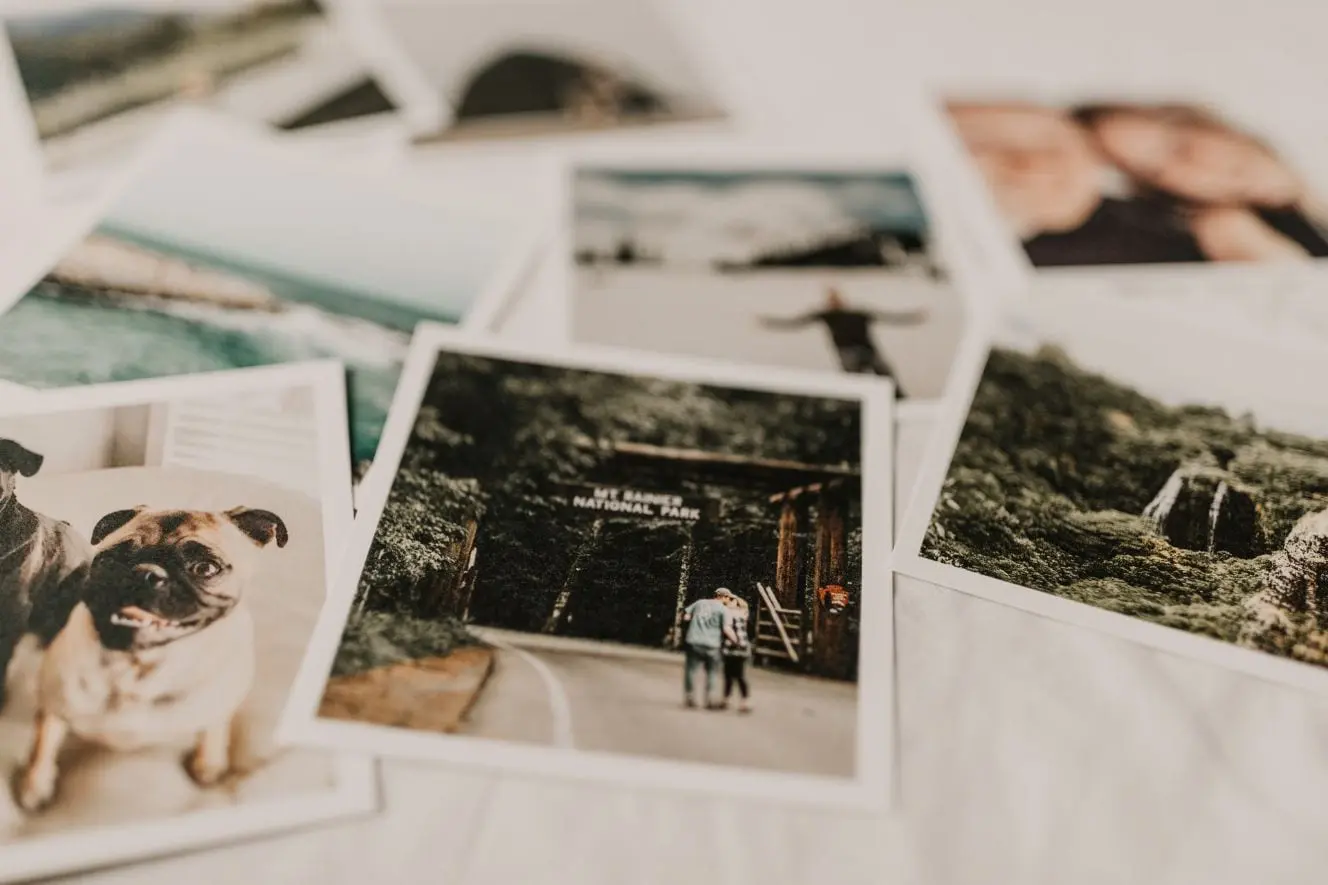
(850, 332)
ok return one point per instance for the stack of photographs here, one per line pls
(278, 495)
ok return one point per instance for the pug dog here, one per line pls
(43, 562)
(159, 650)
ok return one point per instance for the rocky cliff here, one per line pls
(1070, 483)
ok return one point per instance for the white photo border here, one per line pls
(871, 789)
(890, 157)
(909, 561)
(355, 791)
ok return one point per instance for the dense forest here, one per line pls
(476, 526)
(1070, 483)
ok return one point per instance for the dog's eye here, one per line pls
(204, 568)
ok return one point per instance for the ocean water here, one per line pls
(374, 308)
(49, 341)
(55, 338)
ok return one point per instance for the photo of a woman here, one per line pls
(737, 651)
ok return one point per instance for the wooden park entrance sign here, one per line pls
(807, 630)
(628, 502)
(603, 501)
(824, 641)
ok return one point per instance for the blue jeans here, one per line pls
(696, 657)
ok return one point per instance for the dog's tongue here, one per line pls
(139, 614)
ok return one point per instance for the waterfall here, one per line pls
(1160, 507)
(1205, 508)
(1215, 513)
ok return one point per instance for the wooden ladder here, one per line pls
(778, 630)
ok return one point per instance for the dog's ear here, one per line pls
(112, 522)
(16, 459)
(263, 526)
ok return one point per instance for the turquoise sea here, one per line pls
(54, 338)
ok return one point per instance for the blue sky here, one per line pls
(222, 197)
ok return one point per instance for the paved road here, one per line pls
(566, 696)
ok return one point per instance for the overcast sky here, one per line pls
(696, 218)
(1179, 361)
(222, 196)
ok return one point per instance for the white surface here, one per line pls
(1031, 752)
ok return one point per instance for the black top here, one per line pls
(848, 328)
(1297, 227)
(1118, 232)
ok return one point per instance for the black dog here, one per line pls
(43, 563)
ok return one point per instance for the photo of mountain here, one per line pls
(1138, 468)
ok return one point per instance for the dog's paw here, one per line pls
(203, 768)
(34, 787)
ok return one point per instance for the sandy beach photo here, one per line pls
(227, 252)
(830, 269)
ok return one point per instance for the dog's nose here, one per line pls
(152, 575)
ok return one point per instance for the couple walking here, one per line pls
(717, 637)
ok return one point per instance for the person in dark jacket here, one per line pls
(850, 332)
(737, 651)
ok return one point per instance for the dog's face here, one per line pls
(158, 576)
(15, 461)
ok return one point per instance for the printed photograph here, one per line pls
(513, 68)
(228, 254)
(824, 270)
(603, 561)
(1130, 183)
(164, 570)
(1146, 469)
(95, 74)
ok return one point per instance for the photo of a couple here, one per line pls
(717, 639)
(1137, 183)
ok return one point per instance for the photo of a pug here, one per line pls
(160, 645)
(43, 562)
(164, 549)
